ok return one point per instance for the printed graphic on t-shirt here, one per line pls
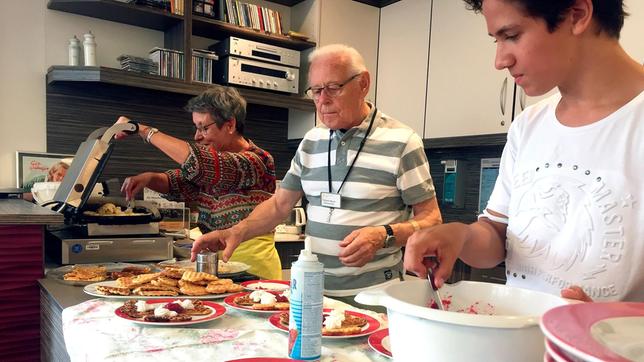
(567, 227)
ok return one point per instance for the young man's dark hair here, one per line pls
(609, 14)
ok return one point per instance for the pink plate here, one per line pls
(263, 359)
(230, 301)
(555, 354)
(217, 311)
(379, 341)
(268, 285)
(371, 326)
(569, 327)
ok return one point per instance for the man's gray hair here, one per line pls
(223, 103)
(356, 61)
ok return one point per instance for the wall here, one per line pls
(35, 38)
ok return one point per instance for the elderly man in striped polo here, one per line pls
(360, 170)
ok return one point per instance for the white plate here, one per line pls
(58, 274)
(226, 269)
(369, 328)
(268, 285)
(91, 290)
(216, 311)
(597, 331)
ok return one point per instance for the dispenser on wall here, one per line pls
(454, 183)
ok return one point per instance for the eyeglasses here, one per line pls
(332, 90)
(203, 129)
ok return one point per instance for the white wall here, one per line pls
(33, 38)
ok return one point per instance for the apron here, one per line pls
(261, 255)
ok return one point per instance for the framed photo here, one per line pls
(33, 167)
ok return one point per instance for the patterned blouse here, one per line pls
(226, 186)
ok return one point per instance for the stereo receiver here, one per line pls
(251, 73)
(234, 46)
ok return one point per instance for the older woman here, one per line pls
(223, 172)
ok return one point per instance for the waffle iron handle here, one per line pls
(130, 127)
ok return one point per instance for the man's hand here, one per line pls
(227, 240)
(576, 293)
(443, 241)
(134, 184)
(361, 245)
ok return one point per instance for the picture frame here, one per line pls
(32, 166)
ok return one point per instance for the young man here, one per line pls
(566, 211)
(359, 171)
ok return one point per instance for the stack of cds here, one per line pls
(138, 64)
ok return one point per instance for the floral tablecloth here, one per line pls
(94, 333)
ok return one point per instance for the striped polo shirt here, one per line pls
(390, 174)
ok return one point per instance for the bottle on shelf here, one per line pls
(74, 51)
(305, 320)
(89, 49)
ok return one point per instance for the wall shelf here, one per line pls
(63, 73)
(112, 10)
(215, 29)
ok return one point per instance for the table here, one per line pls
(94, 333)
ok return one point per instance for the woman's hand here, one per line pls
(122, 135)
(575, 292)
(135, 184)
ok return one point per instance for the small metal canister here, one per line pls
(207, 262)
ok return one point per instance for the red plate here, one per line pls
(268, 285)
(555, 353)
(568, 327)
(379, 341)
(217, 311)
(372, 324)
(230, 301)
(263, 359)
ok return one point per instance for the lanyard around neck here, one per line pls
(364, 140)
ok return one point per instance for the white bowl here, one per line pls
(419, 333)
(44, 191)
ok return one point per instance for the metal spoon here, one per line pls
(435, 294)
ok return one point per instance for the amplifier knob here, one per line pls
(290, 76)
(261, 83)
(275, 84)
(254, 80)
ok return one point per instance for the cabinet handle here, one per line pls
(522, 99)
(502, 95)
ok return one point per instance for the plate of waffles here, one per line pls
(352, 325)
(167, 283)
(84, 274)
(259, 301)
(169, 312)
(379, 342)
(268, 285)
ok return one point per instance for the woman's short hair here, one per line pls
(355, 60)
(223, 104)
(609, 14)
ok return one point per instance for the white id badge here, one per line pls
(328, 199)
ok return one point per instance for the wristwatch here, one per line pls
(390, 239)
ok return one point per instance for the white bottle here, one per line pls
(74, 51)
(306, 299)
(89, 49)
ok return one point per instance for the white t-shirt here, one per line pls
(574, 197)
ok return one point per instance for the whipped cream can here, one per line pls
(306, 299)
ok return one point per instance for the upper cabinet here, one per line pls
(402, 61)
(632, 36)
(466, 95)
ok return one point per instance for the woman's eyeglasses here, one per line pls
(332, 90)
(202, 129)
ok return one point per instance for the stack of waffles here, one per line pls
(171, 282)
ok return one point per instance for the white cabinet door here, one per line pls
(632, 36)
(466, 94)
(402, 61)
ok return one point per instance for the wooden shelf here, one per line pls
(62, 73)
(215, 29)
(112, 10)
